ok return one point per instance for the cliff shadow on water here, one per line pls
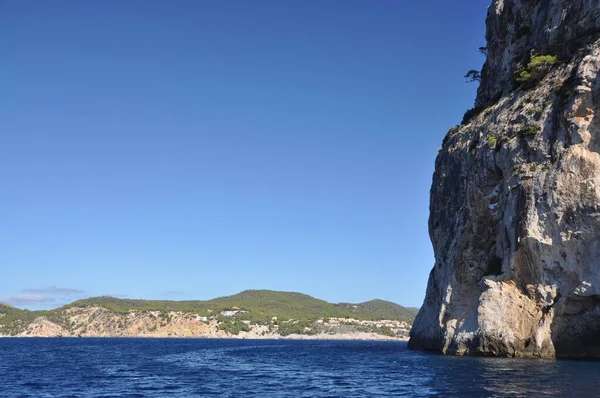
(515, 197)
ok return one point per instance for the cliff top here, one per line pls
(518, 29)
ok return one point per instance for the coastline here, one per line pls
(357, 336)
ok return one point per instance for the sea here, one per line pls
(112, 367)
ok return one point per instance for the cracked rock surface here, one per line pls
(515, 198)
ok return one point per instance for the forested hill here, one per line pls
(261, 304)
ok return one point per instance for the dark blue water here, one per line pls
(272, 368)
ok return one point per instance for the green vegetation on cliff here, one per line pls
(535, 70)
(234, 327)
(12, 320)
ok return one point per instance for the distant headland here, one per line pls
(251, 314)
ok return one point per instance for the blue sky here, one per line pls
(194, 149)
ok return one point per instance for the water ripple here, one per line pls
(232, 368)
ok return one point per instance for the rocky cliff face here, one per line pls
(515, 199)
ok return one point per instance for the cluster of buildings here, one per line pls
(231, 312)
(399, 327)
(388, 323)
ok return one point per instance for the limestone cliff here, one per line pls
(515, 199)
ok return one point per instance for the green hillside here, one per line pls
(257, 306)
(262, 305)
(13, 319)
(381, 309)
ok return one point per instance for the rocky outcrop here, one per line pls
(515, 28)
(42, 327)
(515, 198)
(100, 322)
